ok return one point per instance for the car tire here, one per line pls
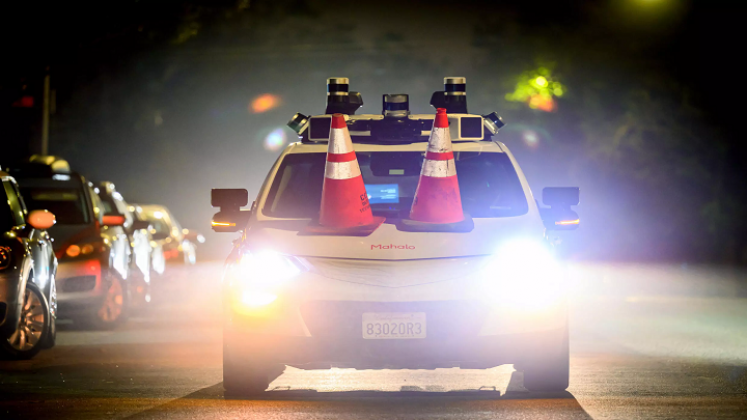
(35, 322)
(51, 338)
(246, 378)
(114, 307)
(551, 372)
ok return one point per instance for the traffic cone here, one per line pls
(345, 209)
(437, 198)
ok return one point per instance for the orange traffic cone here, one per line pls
(345, 209)
(437, 198)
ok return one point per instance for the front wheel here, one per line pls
(33, 327)
(549, 371)
(112, 311)
(244, 377)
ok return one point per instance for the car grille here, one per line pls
(444, 319)
(79, 284)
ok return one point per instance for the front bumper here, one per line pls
(80, 286)
(317, 322)
(466, 350)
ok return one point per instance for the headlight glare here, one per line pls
(524, 275)
(266, 267)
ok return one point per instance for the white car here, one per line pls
(395, 298)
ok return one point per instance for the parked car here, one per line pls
(157, 258)
(141, 267)
(92, 249)
(179, 244)
(28, 298)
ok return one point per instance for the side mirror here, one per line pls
(41, 219)
(230, 218)
(140, 224)
(230, 221)
(113, 220)
(560, 216)
(229, 199)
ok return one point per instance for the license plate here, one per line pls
(393, 325)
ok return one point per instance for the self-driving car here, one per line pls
(92, 249)
(139, 240)
(477, 294)
(179, 244)
(28, 299)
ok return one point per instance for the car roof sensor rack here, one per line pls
(414, 128)
(395, 124)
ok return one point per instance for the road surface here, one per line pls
(663, 342)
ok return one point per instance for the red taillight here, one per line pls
(24, 102)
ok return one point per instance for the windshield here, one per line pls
(157, 219)
(488, 183)
(67, 204)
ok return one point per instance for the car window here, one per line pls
(65, 198)
(68, 205)
(158, 220)
(115, 204)
(488, 184)
(11, 208)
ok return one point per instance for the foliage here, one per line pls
(538, 89)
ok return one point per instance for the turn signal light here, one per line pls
(72, 251)
(568, 222)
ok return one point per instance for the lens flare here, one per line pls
(275, 140)
(530, 138)
(264, 103)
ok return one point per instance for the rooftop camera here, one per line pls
(395, 105)
(339, 97)
(453, 97)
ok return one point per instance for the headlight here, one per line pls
(524, 275)
(266, 268)
(257, 276)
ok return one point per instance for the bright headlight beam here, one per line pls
(264, 269)
(523, 275)
(255, 298)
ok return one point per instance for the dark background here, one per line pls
(156, 96)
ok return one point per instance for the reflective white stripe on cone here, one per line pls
(344, 199)
(437, 198)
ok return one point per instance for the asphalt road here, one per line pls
(646, 342)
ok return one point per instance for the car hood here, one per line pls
(388, 243)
